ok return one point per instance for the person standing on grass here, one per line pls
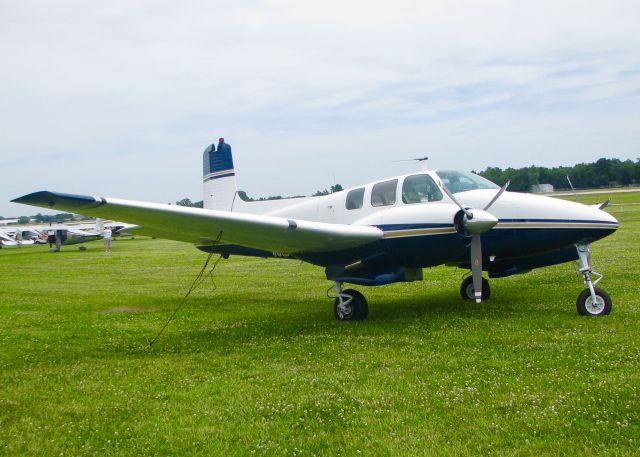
(106, 236)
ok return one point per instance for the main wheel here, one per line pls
(468, 292)
(587, 307)
(355, 309)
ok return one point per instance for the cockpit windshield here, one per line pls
(460, 181)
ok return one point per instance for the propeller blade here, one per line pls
(455, 200)
(476, 266)
(497, 196)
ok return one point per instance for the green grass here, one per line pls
(255, 364)
(617, 198)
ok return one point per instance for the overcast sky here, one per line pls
(120, 98)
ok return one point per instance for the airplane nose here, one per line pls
(606, 217)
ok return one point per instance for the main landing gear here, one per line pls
(592, 301)
(349, 305)
(468, 292)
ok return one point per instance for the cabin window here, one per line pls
(384, 193)
(355, 198)
(419, 189)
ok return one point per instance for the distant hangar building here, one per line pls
(541, 188)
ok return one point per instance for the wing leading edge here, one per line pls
(196, 225)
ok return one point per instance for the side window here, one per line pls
(384, 193)
(420, 188)
(355, 198)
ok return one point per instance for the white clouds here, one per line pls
(310, 83)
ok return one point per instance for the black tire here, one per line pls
(359, 308)
(467, 292)
(585, 306)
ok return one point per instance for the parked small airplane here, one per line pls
(7, 240)
(378, 233)
(59, 234)
(19, 236)
(66, 234)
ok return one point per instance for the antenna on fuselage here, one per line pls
(420, 160)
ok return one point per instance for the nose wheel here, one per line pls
(587, 306)
(467, 290)
(349, 304)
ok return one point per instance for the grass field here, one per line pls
(256, 365)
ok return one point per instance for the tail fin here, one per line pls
(219, 178)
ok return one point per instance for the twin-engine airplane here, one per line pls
(378, 233)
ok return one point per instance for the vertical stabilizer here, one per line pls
(219, 178)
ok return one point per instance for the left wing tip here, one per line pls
(34, 197)
(47, 199)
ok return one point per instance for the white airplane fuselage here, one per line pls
(531, 231)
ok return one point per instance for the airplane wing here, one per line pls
(196, 225)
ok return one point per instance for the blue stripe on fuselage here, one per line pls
(421, 251)
(395, 227)
(553, 221)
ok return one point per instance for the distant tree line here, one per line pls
(602, 173)
(243, 196)
(45, 219)
(188, 202)
(319, 193)
(60, 217)
(332, 189)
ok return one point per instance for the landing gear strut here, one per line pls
(592, 301)
(468, 292)
(349, 305)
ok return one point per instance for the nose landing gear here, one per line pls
(349, 305)
(591, 301)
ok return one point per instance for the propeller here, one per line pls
(475, 222)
